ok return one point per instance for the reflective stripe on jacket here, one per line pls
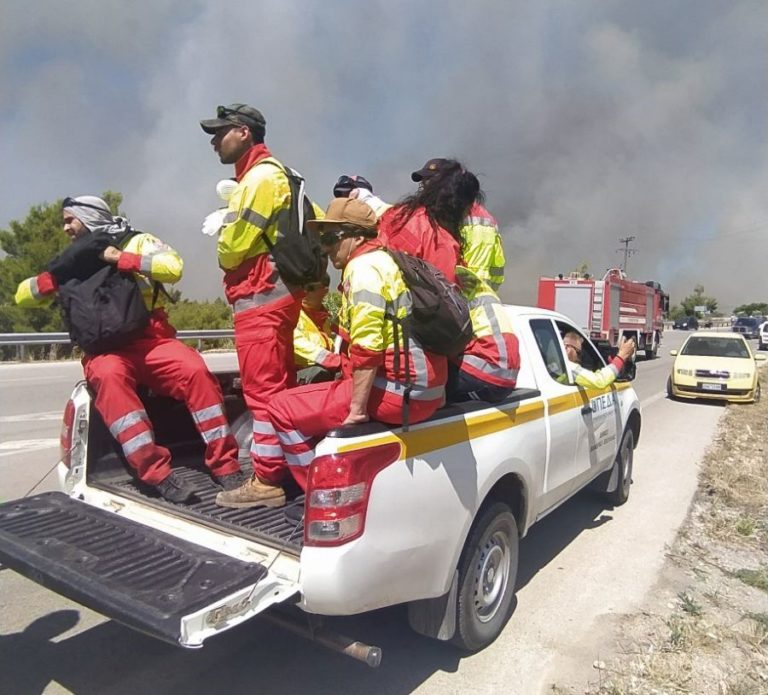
(143, 254)
(493, 355)
(313, 344)
(373, 288)
(481, 246)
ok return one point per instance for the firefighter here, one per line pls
(371, 389)
(266, 309)
(481, 247)
(600, 378)
(155, 359)
(313, 337)
(487, 369)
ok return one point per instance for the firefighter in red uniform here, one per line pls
(155, 359)
(478, 233)
(371, 388)
(266, 310)
(487, 369)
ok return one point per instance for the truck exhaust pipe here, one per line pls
(331, 639)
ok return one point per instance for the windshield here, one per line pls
(746, 322)
(715, 347)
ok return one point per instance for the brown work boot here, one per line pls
(252, 493)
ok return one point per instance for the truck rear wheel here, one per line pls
(487, 576)
(652, 351)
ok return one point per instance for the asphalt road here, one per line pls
(578, 567)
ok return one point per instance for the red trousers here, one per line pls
(264, 342)
(304, 415)
(169, 368)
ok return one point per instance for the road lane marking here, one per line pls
(17, 445)
(32, 417)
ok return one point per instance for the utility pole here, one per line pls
(627, 251)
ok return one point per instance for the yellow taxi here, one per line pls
(715, 365)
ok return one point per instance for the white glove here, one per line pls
(213, 223)
(225, 188)
(372, 201)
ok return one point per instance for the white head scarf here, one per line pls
(95, 214)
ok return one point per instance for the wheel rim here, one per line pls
(491, 576)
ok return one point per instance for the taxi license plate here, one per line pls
(712, 387)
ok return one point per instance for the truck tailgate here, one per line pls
(161, 585)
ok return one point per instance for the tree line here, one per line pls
(30, 244)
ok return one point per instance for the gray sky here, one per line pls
(586, 121)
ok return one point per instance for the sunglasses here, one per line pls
(330, 238)
(223, 111)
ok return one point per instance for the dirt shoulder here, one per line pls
(704, 628)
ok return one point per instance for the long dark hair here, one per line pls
(446, 197)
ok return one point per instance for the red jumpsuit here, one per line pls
(265, 309)
(156, 360)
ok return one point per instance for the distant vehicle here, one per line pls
(748, 326)
(687, 323)
(715, 365)
(762, 338)
(609, 309)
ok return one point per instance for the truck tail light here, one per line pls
(65, 438)
(338, 488)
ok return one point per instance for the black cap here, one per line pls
(429, 169)
(343, 187)
(235, 114)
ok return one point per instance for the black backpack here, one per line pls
(439, 317)
(105, 311)
(297, 253)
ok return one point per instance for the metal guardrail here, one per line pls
(23, 340)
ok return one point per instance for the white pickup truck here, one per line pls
(430, 516)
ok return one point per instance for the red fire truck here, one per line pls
(610, 308)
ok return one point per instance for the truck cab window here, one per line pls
(549, 347)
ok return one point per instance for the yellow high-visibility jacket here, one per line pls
(143, 254)
(312, 346)
(598, 379)
(481, 246)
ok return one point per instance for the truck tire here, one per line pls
(652, 352)
(624, 459)
(487, 576)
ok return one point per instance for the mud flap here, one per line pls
(164, 586)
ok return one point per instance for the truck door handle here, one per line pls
(586, 410)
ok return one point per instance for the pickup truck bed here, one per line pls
(281, 528)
